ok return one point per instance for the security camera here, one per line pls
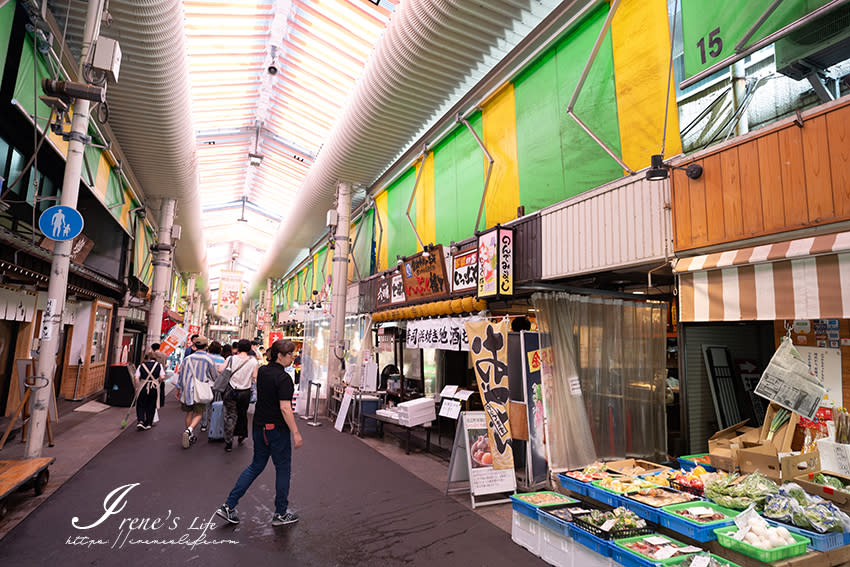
(66, 90)
(272, 69)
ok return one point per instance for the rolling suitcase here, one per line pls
(215, 432)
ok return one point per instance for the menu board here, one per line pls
(465, 271)
(389, 291)
(425, 275)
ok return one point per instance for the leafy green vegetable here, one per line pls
(753, 489)
(827, 480)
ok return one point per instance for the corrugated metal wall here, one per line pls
(624, 223)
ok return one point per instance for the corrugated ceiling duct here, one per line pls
(150, 111)
(428, 51)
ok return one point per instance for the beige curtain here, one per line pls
(605, 393)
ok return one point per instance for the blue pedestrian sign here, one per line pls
(61, 223)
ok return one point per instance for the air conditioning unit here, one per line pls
(818, 45)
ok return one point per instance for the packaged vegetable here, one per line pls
(827, 480)
(753, 489)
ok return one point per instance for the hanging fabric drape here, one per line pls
(604, 391)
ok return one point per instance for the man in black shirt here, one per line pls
(273, 423)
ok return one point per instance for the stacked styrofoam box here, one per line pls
(555, 548)
(388, 413)
(416, 412)
(526, 532)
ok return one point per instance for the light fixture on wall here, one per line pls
(399, 259)
(658, 170)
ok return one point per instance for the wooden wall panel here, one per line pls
(838, 134)
(817, 173)
(730, 172)
(793, 177)
(751, 205)
(770, 177)
(781, 178)
(714, 193)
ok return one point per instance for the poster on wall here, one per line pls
(489, 348)
(826, 364)
(230, 295)
(533, 386)
(389, 291)
(496, 263)
(177, 336)
(425, 275)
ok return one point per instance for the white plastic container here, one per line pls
(555, 548)
(526, 532)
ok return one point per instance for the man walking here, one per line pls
(273, 424)
(199, 365)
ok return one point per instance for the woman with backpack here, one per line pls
(149, 377)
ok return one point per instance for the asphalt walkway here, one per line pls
(357, 506)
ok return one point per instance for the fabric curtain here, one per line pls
(605, 386)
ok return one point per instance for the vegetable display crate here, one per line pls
(683, 561)
(819, 541)
(700, 531)
(526, 532)
(521, 503)
(687, 462)
(646, 511)
(606, 495)
(622, 554)
(620, 534)
(590, 541)
(681, 487)
(765, 555)
(574, 485)
(548, 518)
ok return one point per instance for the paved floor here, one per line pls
(357, 505)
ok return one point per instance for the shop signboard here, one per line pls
(496, 263)
(489, 348)
(465, 271)
(177, 336)
(445, 333)
(472, 460)
(425, 275)
(229, 295)
(533, 386)
(389, 291)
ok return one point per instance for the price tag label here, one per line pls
(657, 540)
(747, 517)
(739, 535)
(665, 552)
(690, 549)
(701, 511)
(701, 561)
(606, 527)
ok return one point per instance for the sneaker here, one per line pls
(228, 447)
(187, 437)
(193, 439)
(140, 426)
(228, 514)
(203, 428)
(282, 520)
(147, 427)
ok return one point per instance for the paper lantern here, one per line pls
(468, 303)
(457, 305)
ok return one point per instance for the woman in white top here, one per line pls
(237, 396)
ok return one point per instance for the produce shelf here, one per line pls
(765, 555)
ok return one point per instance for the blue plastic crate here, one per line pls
(819, 542)
(698, 531)
(690, 465)
(554, 523)
(574, 485)
(605, 496)
(590, 541)
(530, 510)
(645, 511)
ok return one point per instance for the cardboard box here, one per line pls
(780, 467)
(626, 466)
(723, 445)
(838, 497)
(784, 435)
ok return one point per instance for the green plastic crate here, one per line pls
(680, 561)
(621, 543)
(725, 539)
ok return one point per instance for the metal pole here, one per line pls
(336, 344)
(58, 284)
(739, 92)
(315, 421)
(161, 271)
(188, 316)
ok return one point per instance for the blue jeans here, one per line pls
(277, 444)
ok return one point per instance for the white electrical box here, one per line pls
(107, 57)
(331, 218)
(176, 231)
